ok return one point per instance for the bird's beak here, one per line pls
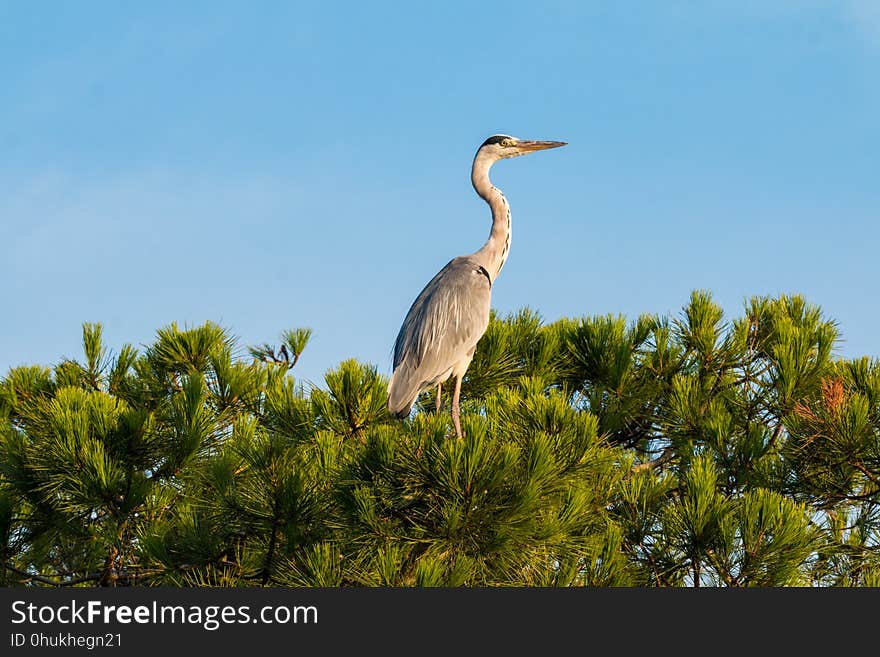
(529, 146)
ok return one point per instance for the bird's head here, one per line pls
(499, 147)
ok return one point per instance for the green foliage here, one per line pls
(667, 451)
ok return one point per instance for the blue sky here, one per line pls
(275, 165)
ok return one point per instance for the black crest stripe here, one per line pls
(494, 139)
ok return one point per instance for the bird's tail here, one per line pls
(401, 413)
(402, 392)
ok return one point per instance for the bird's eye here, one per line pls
(507, 142)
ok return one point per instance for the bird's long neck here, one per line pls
(493, 254)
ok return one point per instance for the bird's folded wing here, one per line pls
(446, 320)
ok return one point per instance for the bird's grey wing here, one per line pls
(443, 324)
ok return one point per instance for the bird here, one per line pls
(439, 334)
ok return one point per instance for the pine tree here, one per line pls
(666, 451)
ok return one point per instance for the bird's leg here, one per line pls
(455, 414)
(438, 403)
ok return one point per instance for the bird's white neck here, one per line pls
(493, 254)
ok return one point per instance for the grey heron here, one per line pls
(440, 332)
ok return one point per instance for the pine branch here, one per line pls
(270, 552)
(45, 580)
(267, 354)
(776, 432)
(870, 475)
(667, 455)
